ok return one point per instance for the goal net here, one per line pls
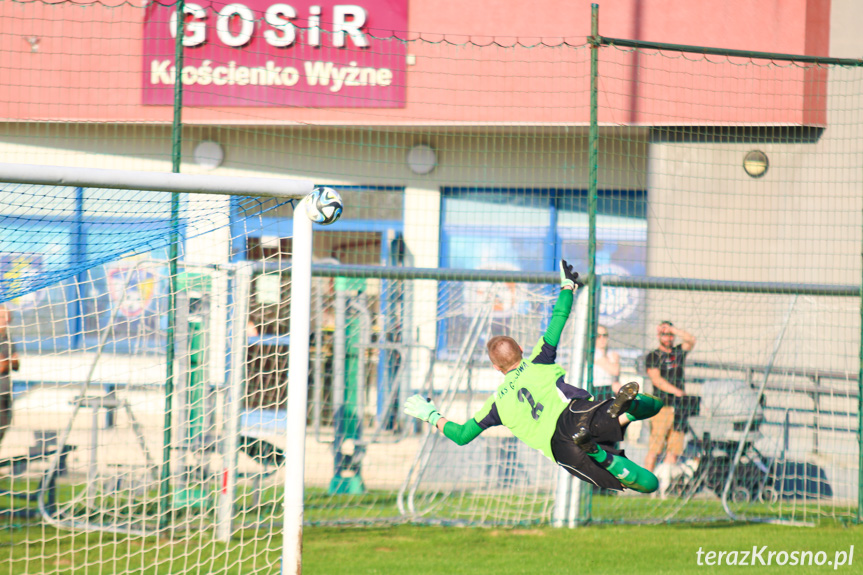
(131, 325)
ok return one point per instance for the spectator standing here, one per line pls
(606, 367)
(665, 368)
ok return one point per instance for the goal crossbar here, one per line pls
(32, 174)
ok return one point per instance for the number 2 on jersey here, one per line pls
(536, 408)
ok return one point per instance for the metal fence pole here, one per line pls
(173, 254)
(860, 415)
(593, 168)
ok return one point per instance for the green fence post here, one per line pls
(195, 387)
(860, 415)
(593, 167)
(348, 422)
(173, 254)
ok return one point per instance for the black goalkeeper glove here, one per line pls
(568, 277)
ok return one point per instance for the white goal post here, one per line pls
(277, 188)
(32, 174)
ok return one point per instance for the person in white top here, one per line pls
(606, 367)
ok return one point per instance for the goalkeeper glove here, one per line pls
(568, 278)
(421, 408)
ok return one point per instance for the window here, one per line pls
(77, 230)
(366, 234)
(530, 230)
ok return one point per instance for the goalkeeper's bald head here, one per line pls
(504, 352)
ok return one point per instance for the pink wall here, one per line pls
(89, 65)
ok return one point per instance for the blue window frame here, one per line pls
(73, 235)
(530, 229)
(382, 220)
(276, 224)
(279, 223)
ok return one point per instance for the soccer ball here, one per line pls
(323, 206)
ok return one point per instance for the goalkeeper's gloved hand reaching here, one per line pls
(423, 409)
(568, 277)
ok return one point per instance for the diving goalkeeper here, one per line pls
(579, 435)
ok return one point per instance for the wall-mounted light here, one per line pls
(209, 155)
(422, 159)
(755, 163)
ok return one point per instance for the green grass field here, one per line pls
(408, 550)
(664, 549)
(30, 547)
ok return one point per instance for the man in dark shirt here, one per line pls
(8, 363)
(665, 367)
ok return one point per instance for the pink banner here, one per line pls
(308, 54)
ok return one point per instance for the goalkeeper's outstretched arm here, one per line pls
(423, 409)
(569, 282)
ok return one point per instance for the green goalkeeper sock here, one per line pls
(629, 474)
(643, 407)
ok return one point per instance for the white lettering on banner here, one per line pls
(247, 25)
(347, 19)
(320, 73)
(279, 17)
(190, 75)
(196, 30)
(313, 34)
(159, 72)
(220, 76)
(317, 74)
(241, 75)
(341, 25)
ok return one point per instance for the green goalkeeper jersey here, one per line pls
(528, 402)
